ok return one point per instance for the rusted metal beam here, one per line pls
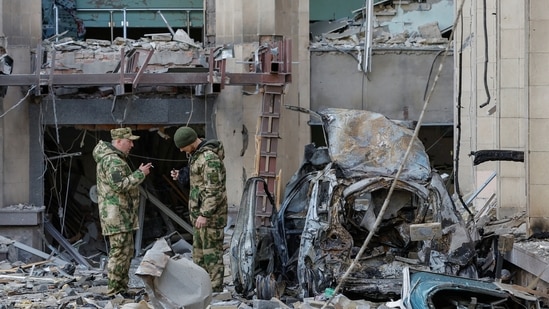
(146, 79)
(278, 53)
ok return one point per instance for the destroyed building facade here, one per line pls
(489, 95)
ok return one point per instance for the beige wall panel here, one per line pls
(540, 166)
(487, 167)
(466, 86)
(510, 133)
(22, 21)
(232, 113)
(539, 201)
(538, 10)
(511, 14)
(510, 73)
(511, 104)
(16, 136)
(512, 169)
(486, 131)
(267, 17)
(540, 29)
(538, 122)
(538, 106)
(248, 13)
(538, 135)
(539, 62)
(223, 24)
(511, 44)
(512, 194)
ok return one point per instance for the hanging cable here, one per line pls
(430, 73)
(363, 65)
(52, 95)
(457, 190)
(485, 56)
(192, 103)
(66, 197)
(17, 104)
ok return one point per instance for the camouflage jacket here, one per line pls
(208, 194)
(117, 190)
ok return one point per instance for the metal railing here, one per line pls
(111, 11)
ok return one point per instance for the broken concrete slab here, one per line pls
(430, 31)
(181, 36)
(22, 246)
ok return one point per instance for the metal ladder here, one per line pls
(268, 135)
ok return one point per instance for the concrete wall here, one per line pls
(516, 117)
(535, 63)
(396, 87)
(21, 26)
(242, 22)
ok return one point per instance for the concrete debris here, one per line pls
(392, 26)
(46, 285)
(182, 36)
(486, 219)
(100, 56)
(430, 31)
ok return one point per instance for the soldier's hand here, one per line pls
(201, 222)
(174, 174)
(146, 168)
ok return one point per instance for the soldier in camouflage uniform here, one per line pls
(207, 201)
(118, 198)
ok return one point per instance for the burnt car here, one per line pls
(335, 200)
(432, 290)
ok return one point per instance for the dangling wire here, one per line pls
(52, 95)
(66, 196)
(485, 57)
(192, 105)
(20, 101)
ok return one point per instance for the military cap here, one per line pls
(184, 136)
(121, 133)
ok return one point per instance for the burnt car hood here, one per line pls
(362, 142)
(330, 205)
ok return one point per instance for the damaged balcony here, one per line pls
(82, 89)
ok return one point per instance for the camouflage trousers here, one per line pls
(120, 257)
(208, 254)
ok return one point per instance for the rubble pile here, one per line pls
(352, 32)
(69, 56)
(45, 284)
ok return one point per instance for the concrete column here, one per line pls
(512, 104)
(493, 108)
(538, 115)
(21, 26)
(242, 23)
(3, 43)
